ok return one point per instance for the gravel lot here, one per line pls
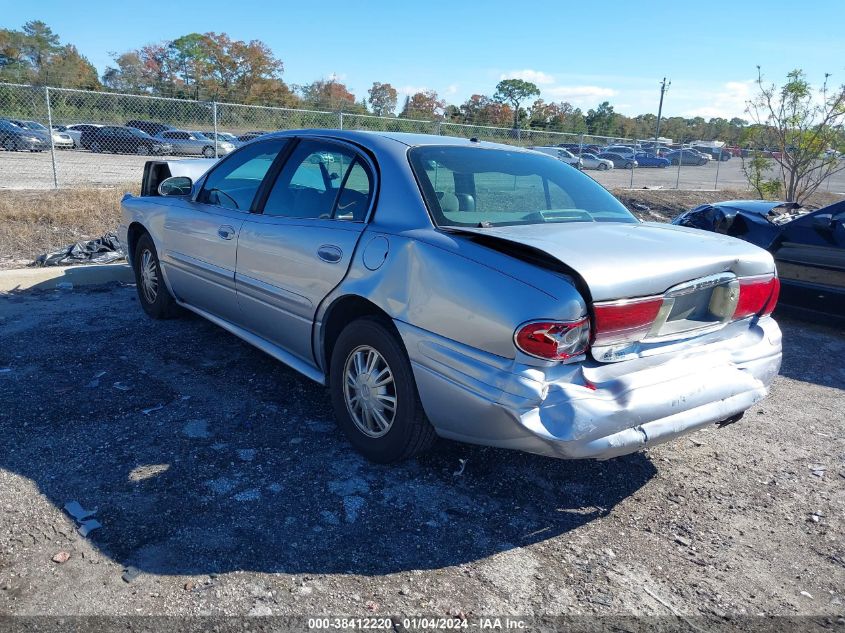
(223, 487)
(25, 170)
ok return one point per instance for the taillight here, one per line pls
(553, 340)
(757, 296)
(624, 321)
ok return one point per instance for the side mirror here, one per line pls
(175, 186)
(824, 222)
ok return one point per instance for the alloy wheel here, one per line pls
(369, 391)
(149, 276)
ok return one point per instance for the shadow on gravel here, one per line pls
(811, 350)
(242, 468)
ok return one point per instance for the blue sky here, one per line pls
(583, 52)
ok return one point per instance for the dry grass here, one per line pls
(35, 222)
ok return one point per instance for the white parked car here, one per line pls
(75, 135)
(591, 161)
(561, 154)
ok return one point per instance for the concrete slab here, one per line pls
(50, 277)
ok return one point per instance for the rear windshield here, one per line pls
(482, 187)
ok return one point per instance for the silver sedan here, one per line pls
(194, 143)
(591, 161)
(455, 288)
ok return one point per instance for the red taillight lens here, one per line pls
(623, 321)
(553, 340)
(757, 296)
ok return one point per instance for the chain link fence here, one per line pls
(65, 138)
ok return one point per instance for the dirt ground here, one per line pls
(223, 487)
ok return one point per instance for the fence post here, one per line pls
(214, 121)
(719, 158)
(340, 119)
(680, 160)
(50, 132)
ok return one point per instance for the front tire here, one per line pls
(153, 294)
(602, 167)
(374, 393)
(208, 151)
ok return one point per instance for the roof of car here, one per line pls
(405, 138)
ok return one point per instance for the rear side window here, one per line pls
(321, 180)
(234, 182)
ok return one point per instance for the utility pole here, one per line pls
(664, 86)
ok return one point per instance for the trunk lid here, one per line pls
(620, 261)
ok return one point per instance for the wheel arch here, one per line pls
(342, 311)
(133, 234)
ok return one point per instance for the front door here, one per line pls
(201, 234)
(293, 253)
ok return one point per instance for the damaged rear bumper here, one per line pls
(590, 409)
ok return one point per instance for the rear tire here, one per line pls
(208, 151)
(10, 145)
(374, 393)
(153, 294)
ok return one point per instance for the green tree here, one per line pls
(800, 124)
(515, 92)
(602, 120)
(423, 105)
(383, 99)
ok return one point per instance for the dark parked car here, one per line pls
(150, 127)
(645, 159)
(619, 162)
(14, 138)
(125, 140)
(250, 136)
(686, 157)
(718, 153)
(85, 130)
(808, 246)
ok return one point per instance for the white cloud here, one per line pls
(451, 89)
(534, 76)
(728, 102)
(579, 95)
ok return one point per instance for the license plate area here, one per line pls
(696, 306)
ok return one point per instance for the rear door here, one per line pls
(201, 234)
(292, 254)
(811, 250)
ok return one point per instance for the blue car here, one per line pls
(651, 160)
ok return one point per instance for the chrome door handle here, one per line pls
(329, 253)
(226, 232)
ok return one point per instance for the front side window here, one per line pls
(480, 187)
(321, 180)
(235, 181)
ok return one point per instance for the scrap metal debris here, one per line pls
(86, 527)
(103, 250)
(77, 512)
(82, 517)
(462, 463)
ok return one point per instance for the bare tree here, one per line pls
(800, 126)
